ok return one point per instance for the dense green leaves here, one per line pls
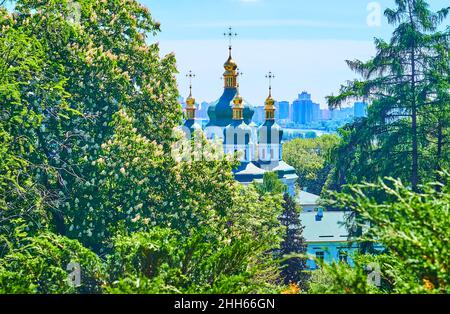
(341, 278)
(412, 228)
(311, 158)
(271, 184)
(87, 118)
(39, 264)
(293, 268)
(405, 137)
(406, 132)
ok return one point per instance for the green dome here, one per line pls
(221, 112)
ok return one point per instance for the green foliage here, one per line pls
(39, 265)
(89, 68)
(20, 63)
(407, 82)
(271, 184)
(163, 261)
(405, 136)
(411, 226)
(293, 244)
(311, 159)
(255, 216)
(141, 263)
(87, 118)
(341, 278)
(293, 268)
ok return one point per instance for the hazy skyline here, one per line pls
(305, 43)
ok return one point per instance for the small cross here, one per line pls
(239, 74)
(190, 76)
(230, 34)
(270, 76)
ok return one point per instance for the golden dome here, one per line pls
(230, 65)
(190, 101)
(238, 108)
(190, 107)
(270, 106)
(270, 102)
(238, 100)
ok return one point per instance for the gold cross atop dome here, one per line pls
(238, 108)
(230, 34)
(190, 101)
(230, 75)
(270, 102)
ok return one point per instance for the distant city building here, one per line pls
(304, 110)
(315, 112)
(283, 111)
(259, 115)
(343, 113)
(360, 109)
(277, 111)
(299, 108)
(325, 114)
(302, 113)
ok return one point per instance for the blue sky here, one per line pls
(264, 19)
(304, 42)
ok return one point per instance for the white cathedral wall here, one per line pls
(254, 143)
(214, 132)
(246, 154)
(269, 152)
(263, 152)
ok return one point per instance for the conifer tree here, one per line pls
(405, 84)
(293, 270)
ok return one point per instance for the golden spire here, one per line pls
(230, 75)
(190, 101)
(238, 108)
(270, 102)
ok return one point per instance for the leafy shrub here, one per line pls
(39, 265)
